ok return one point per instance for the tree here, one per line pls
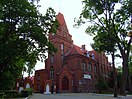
(105, 42)
(115, 22)
(23, 35)
(101, 84)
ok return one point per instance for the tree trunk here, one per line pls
(127, 56)
(124, 77)
(130, 84)
(115, 76)
(129, 79)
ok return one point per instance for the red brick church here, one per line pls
(72, 68)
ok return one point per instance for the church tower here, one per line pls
(62, 40)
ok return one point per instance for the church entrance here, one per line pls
(65, 84)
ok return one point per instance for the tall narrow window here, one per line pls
(62, 48)
(95, 68)
(51, 59)
(62, 51)
(83, 65)
(89, 67)
(51, 72)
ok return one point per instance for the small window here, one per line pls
(51, 72)
(89, 67)
(95, 68)
(51, 59)
(83, 65)
(62, 46)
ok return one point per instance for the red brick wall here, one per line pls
(40, 77)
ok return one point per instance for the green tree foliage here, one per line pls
(23, 37)
(104, 18)
(101, 84)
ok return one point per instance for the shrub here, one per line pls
(101, 84)
(26, 92)
(11, 94)
(2, 95)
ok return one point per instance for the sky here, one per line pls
(70, 9)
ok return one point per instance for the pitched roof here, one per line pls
(76, 50)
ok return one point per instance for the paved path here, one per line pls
(77, 96)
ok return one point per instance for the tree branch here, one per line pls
(99, 21)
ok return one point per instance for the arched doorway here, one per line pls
(65, 84)
(27, 85)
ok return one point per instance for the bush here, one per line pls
(11, 94)
(2, 95)
(101, 84)
(26, 92)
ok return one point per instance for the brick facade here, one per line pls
(26, 82)
(72, 68)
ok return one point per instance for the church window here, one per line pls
(62, 46)
(51, 72)
(62, 49)
(64, 32)
(51, 59)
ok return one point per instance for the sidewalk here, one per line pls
(77, 96)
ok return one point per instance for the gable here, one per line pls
(63, 27)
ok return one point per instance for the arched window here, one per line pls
(51, 59)
(51, 72)
(89, 67)
(83, 65)
(62, 46)
(95, 68)
(62, 51)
